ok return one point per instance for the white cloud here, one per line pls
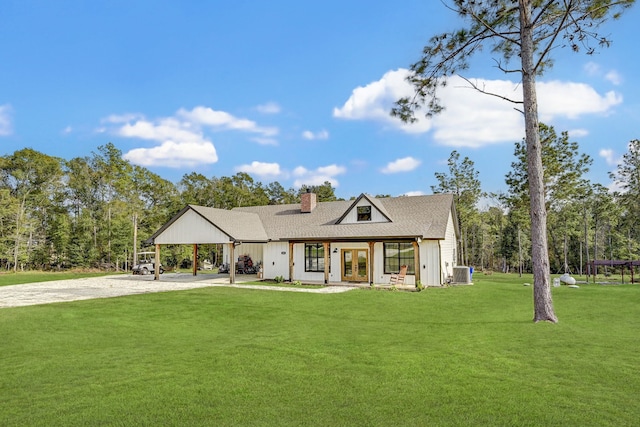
(592, 68)
(122, 118)
(470, 118)
(405, 164)
(67, 130)
(573, 100)
(318, 176)
(180, 139)
(331, 170)
(180, 143)
(269, 108)
(473, 119)
(609, 156)
(374, 102)
(6, 126)
(578, 133)
(161, 130)
(323, 134)
(222, 120)
(414, 193)
(616, 187)
(595, 70)
(614, 77)
(265, 170)
(265, 141)
(174, 154)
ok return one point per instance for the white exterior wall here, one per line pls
(448, 250)
(378, 264)
(384, 279)
(298, 266)
(191, 228)
(430, 271)
(430, 259)
(336, 263)
(275, 260)
(274, 257)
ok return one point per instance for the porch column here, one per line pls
(195, 260)
(416, 260)
(371, 258)
(291, 261)
(232, 264)
(156, 267)
(325, 245)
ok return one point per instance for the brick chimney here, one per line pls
(308, 202)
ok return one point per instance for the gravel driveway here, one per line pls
(119, 285)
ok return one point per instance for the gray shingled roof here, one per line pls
(241, 226)
(411, 216)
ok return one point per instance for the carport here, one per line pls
(615, 263)
(195, 225)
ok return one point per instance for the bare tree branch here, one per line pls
(483, 91)
(546, 50)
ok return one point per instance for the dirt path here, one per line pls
(115, 286)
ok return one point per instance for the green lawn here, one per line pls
(462, 356)
(10, 278)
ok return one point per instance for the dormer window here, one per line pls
(364, 213)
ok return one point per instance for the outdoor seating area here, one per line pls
(398, 279)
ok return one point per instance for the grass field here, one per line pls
(467, 355)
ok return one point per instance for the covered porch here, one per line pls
(354, 261)
(197, 225)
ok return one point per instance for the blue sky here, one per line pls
(291, 91)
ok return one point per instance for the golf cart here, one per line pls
(146, 264)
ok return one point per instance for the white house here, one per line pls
(365, 240)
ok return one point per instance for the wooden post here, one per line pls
(232, 264)
(156, 267)
(325, 245)
(195, 259)
(371, 258)
(291, 261)
(416, 260)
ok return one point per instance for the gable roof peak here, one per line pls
(371, 199)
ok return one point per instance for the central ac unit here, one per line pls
(461, 274)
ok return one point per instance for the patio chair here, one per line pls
(398, 279)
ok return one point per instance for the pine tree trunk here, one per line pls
(554, 247)
(595, 247)
(519, 254)
(586, 242)
(16, 247)
(542, 303)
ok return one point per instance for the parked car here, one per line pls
(146, 264)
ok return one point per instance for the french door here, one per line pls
(355, 265)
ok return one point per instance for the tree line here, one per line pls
(85, 212)
(586, 220)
